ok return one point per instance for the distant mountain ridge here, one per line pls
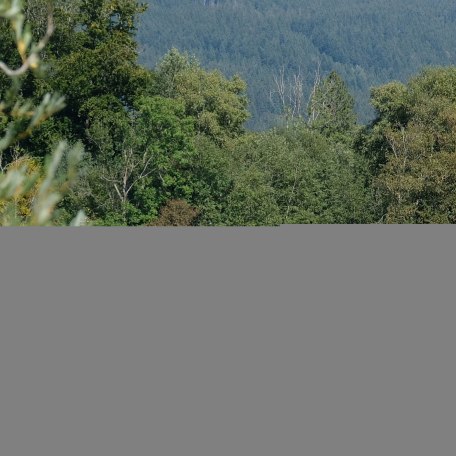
(367, 41)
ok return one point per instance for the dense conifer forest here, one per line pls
(368, 42)
(104, 122)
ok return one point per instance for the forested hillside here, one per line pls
(89, 134)
(368, 42)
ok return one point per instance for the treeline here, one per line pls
(169, 146)
(368, 42)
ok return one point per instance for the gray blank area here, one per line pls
(321, 341)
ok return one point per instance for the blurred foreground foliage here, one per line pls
(30, 188)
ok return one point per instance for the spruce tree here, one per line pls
(331, 109)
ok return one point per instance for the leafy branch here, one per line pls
(41, 189)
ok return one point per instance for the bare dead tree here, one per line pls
(312, 110)
(132, 167)
(296, 94)
(278, 93)
(288, 95)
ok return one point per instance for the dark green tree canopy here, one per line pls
(332, 108)
(218, 105)
(104, 18)
(169, 145)
(413, 142)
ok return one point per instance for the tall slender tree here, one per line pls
(332, 107)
